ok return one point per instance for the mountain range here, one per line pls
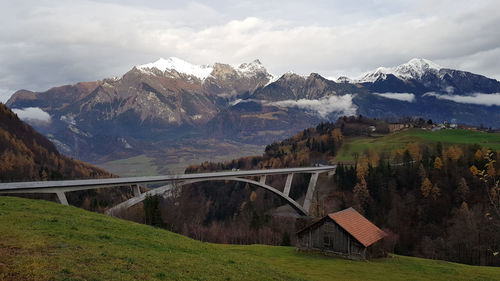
(172, 109)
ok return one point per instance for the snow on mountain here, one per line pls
(273, 79)
(250, 69)
(414, 69)
(201, 71)
(341, 79)
(179, 65)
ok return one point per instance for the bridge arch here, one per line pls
(160, 190)
(61, 187)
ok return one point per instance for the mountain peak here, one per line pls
(413, 69)
(251, 67)
(422, 64)
(179, 65)
(201, 71)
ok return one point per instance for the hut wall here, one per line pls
(312, 238)
(328, 236)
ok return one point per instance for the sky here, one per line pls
(46, 43)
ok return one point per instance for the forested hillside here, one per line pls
(442, 201)
(26, 155)
(436, 200)
(233, 212)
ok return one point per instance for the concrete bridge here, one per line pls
(172, 181)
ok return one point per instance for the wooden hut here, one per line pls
(345, 233)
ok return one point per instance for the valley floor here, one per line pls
(42, 240)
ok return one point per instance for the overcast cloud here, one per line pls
(48, 43)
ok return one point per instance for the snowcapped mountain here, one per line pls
(251, 69)
(170, 99)
(150, 101)
(414, 69)
(173, 65)
(421, 76)
(180, 66)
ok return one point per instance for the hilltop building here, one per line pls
(346, 233)
(394, 127)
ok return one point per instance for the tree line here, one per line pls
(442, 201)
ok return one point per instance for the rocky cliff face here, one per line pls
(150, 102)
(170, 101)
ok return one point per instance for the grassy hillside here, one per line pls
(46, 241)
(357, 145)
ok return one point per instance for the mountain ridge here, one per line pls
(170, 100)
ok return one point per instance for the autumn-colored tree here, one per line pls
(253, 196)
(492, 182)
(438, 164)
(474, 170)
(414, 151)
(362, 168)
(361, 195)
(452, 153)
(426, 187)
(479, 155)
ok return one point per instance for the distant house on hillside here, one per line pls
(394, 127)
(345, 233)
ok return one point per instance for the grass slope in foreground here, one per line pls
(387, 143)
(46, 241)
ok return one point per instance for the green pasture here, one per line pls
(354, 146)
(42, 240)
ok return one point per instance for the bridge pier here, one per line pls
(62, 198)
(310, 191)
(137, 190)
(262, 179)
(288, 184)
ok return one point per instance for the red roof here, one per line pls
(358, 226)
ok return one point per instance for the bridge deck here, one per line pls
(90, 183)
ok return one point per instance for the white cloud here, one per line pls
(477, 98)
(32, 114)
(324, 106)
(409, 97)
(84, 40)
